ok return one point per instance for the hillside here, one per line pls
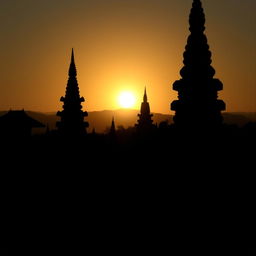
(100, 120)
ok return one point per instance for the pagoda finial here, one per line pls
(72, 67)
(72, 56)
(197, 17)
(145, 98)
(195, 2)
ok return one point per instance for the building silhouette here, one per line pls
(197, 104)
(72, 116)
(112, 131)
(145, 122)
(16, 123)
(112, 136)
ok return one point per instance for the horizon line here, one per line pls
(119, 109)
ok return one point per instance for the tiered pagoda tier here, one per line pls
(197, 104)
(72, 116)
(145, 122)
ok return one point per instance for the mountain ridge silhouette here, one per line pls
(101, 120)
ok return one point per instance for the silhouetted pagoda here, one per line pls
(197, 103)
(72, 116)
(112, 131)
(145, 122)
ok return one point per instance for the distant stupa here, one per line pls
(72, 116)
(112, 131)
(197, 104)
(145, 122)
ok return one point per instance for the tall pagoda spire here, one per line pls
(197, 103)
(145, 122)
(113, 127)
(112, 132)
(145, 97)
(72, 116)
(72, 67)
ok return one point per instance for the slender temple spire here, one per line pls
(72, 67)
(112, 136)
(197, 103)
(145, 98)
(72, 117)
(112, 128)
(145, 122)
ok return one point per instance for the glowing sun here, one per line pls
(126, 99)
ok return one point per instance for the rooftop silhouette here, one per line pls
(16, 123)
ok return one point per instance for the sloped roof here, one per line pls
(19, 117)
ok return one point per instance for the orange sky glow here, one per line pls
(120, 46)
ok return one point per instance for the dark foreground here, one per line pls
(169, 193)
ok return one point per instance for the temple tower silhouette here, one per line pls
(72, 116)
(145, 122)
(112, 131)
(197, 104)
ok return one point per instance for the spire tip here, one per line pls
(145, 98)
(72, 56)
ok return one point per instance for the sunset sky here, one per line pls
(120, 45)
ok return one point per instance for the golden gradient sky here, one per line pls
(119, 45)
